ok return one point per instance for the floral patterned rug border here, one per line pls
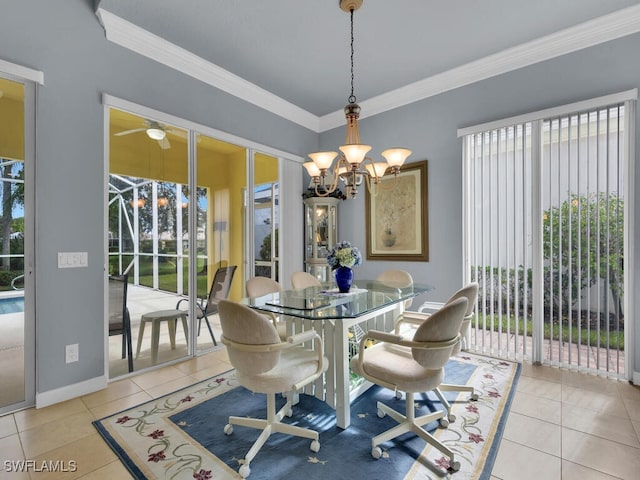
(150, 445)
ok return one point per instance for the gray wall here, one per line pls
(429, 129)
(64, 39)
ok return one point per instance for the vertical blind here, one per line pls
(544, 238)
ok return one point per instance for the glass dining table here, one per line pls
(338, 318)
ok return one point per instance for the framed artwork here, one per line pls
(396, 216)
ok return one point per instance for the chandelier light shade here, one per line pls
(353, 165)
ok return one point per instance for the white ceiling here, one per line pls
(294, 54)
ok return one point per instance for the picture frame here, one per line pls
(397, 226)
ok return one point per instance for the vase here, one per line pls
(344, 277)
(388, 238)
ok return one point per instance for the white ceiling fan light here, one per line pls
(156, 133)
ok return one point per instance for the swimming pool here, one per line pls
(11, 305)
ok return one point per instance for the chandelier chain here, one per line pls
(352, 97)
(353, 167)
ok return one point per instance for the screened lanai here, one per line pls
(152, 213)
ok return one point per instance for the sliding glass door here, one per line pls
(266, 214)
(179, 211)
(17, 329)
(221, 179)
(148, 220)
(546, 221)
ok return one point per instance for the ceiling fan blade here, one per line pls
(164, 143)
(127, 132)
(177, 133)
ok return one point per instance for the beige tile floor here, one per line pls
(562, 425)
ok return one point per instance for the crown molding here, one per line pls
(139, 40)
(593, 32)
(587, 34)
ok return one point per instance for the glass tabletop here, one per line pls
(324, 303)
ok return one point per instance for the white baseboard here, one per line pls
(44, 399)
(636, 378)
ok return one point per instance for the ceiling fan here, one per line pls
(155, 131)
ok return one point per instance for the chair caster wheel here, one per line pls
(244, 471)
(474, 397)
(315, 446)
(228, 429)
(376, 452)
(444, 422)
(451, 417)
(399, 395)
(381, 413)
(455, 466)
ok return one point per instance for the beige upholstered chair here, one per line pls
(259, 286)
(264, 364)
(412, 366)
(470, 292)
(399, 279)
(303, 280)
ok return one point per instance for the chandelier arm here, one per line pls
(375, 175)
(389, 185)
(326, 193)
(334, 171)
(372, 189)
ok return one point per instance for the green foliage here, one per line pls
(265, 248)
(551, 331)
(582, 242)
(18, 225)
(7, 276)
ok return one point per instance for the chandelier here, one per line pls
(353, 165)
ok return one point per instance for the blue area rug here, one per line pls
(181, 435)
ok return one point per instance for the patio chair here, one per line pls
(220, 288)
(119, 319)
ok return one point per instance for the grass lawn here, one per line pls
(584, 336)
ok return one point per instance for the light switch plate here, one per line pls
(72, 259)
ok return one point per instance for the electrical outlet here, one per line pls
(71, 353)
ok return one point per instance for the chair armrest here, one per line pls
(374, 335)
(318, 347)
(269, 347)
(302, 337)
(273, 317)
(291, 342)
(198, 305)
(410, 317)
(399, 340)
(430, 306)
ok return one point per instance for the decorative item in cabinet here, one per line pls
(321, 225)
